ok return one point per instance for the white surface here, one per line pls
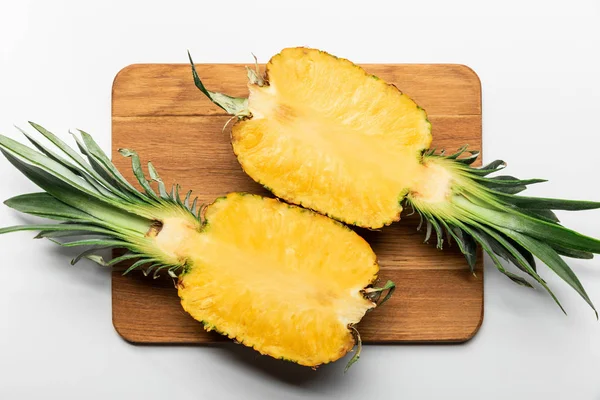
(538, 61)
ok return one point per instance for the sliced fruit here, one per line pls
(321, 132)
(286, 281)
(292, 279)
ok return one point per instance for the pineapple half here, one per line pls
(319, 131)
(286, 281)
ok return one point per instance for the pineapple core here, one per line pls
(283, 280)
(434, 184)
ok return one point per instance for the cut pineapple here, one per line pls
(345, 154)
(286, 281)
(319, 131)
(279, 279)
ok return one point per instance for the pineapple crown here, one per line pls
(485, 210)
(91, 198)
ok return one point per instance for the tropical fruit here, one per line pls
(286, 281)
(321, 132)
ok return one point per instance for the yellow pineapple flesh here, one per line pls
(346, 143)
(278, 278)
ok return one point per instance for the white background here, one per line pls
(539, 65)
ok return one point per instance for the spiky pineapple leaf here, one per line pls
(503, 252)
(506, 180)
(438, 232)
(571, 253)
(162, 190)
(525, 253)
(469, 159)
(80, 167)
(193, 207)
(54, 234)
(136, 165)
(94, 258)
(25, 155)
(429, 229)
(490, 168)
(468, 248)
(124, 257)
(139, 263)
(233, 105)
(96, 165)
(458, 153)
(488, 247)
(546, 231)
(186, 201)
(90, 255)
(521, 261)
(374, 294)
(47, 206)
(544, 215)
(102, 209)
(53, 227)
(49, 153)
(57, 180)
(549, 257)
(536, 203)
(66, 149)
(356, 355)
(96, 242)
(94, 151)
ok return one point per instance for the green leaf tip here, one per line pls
(374, 294)
(235, 106)
(356, 355)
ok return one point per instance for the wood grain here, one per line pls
(158, 112)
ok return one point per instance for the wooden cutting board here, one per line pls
(157, 110)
